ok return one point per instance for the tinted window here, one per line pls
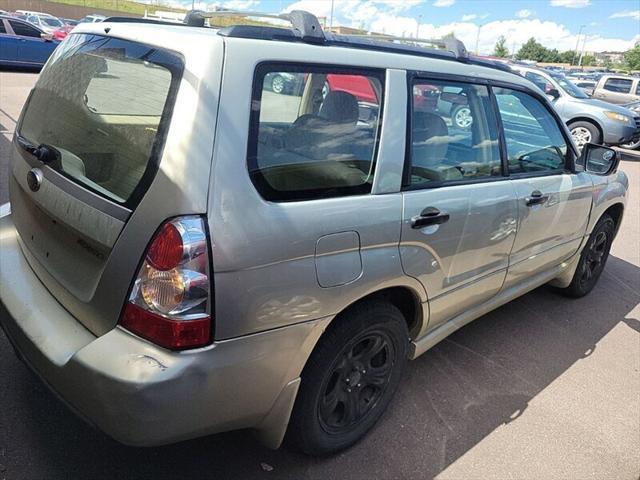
(24, 30)
(313, 132)
(453, 133)
(638, 88)
(534, 140)
(2, 29)
(103, 104)
(619, 85)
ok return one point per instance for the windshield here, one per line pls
(52, 22)
(101, 106)
(567, 86)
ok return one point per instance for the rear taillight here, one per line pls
(170, 300)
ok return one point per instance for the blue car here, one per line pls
(23, 44)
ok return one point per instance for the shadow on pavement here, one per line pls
(481, 377)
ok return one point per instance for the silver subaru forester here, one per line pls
(196, 247)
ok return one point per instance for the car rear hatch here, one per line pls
(99, 161)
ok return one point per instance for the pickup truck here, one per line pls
(617, 89)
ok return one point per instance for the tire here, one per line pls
(461, 117)
(278, 84)
(592, 259)
(583, 133)
(631, 145)
(349, 379)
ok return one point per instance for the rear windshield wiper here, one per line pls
(45, 153)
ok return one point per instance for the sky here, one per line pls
(605, 25)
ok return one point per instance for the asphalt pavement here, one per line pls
(542, 388)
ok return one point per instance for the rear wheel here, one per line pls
(583, 133)
(461, 116)
(592, 259)
(349, 379)
(632, 145)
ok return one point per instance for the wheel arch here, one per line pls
(590, 120)
(615, 211)
(404, 298)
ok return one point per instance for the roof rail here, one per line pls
(450, 44)
(304, 23)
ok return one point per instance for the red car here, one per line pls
(357, 85)
(62, 32)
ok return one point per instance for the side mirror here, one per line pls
(47, 37)
(553, 94)
(598, 159)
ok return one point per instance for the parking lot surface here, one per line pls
(543, 388)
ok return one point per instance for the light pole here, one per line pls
(577, 43)
(331, 17)
(584, 44)
(478, 38)
(418, 26)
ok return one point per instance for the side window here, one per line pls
(24, 30)
(314, 131)
(541, 82)
(638, 88)
(618, 85)
(534, 140)
(2, 28)
(453, 133)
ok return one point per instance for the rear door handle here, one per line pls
(536, 198)
(429, 216)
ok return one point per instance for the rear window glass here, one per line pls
(103, 104)
(314, 131)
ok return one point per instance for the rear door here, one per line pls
(460, 211)
(32, 48)
(87, 149)
(553, 203)
(615, 90)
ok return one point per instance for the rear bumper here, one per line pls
(616, 133)
(141, 394)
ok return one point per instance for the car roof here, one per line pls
(157, 32)
(16, 19)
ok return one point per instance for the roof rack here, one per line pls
(307, 28)
(304, 23)
(450, 44)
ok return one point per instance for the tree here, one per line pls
(632, 57)
(532, 50)
(588, 60)
(501, 49)
(567, 57)
(552, 56)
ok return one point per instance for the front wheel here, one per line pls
(349, 379)
(583, 133)
(278, 84)
(592, 259)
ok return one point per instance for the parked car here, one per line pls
(70, 21)
(617, 89)
(24, 44)
(635, 108)
(586, 86)
(47, 23)
(182, 261)
(588, 119)
(94, 18)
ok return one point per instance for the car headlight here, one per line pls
(617, 117)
